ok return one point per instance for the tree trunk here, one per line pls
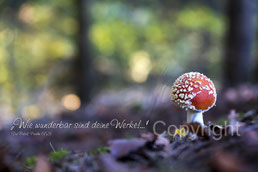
(239, 38)
(83, 61)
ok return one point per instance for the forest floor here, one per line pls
(216, 147)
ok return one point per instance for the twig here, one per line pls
(52, 147)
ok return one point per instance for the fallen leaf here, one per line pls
(222, 161)
(234, 125)
(249, 116)
(122, 147)
(108, 163)
(180, 132)
(42, 165)
(148, 137)
(251, 139)
(162, 143)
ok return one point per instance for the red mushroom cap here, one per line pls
(194, 91)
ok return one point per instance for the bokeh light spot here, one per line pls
(31, 112)
(26, 13)
(71, 102)
(140, 66)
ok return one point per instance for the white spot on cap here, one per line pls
(198, 82)
(211, 92)
(206, 87)
(181, 95)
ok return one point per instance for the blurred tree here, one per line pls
(239, 38)
(83, 63)
(11, 21)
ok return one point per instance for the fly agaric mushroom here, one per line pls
(196, 93)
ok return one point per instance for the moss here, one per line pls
(30, 162)
(99, 151)
(58, 155)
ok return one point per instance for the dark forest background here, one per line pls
(61, 55)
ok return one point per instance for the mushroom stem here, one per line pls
(195, 116)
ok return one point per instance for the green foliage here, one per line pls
(172, 43)
(58, 155)
(137, 107)
(31, 44)
(30, 162)
(99, 151)
(223, 122)
(240, 116)
(53, 157)
(200, 18)
(128, 136)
